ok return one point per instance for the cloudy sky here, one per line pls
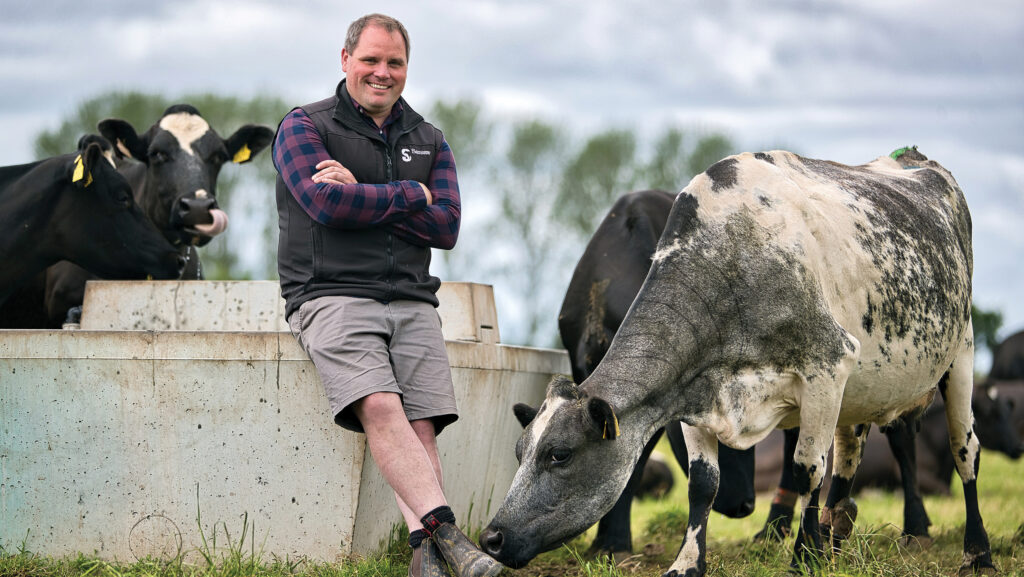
(846, 80)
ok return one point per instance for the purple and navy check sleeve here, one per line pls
(399, 205)
(436, 225)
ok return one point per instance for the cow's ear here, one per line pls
(524, 413)
(247, 142)
(126, 141)
(604, 418)
(82, 167)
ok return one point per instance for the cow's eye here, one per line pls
(158, 157)
(560, 455)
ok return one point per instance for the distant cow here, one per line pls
(603, 285)
(1007, 375)
(173, 169)
(785, 292)
(76, 207)
(1008, 359)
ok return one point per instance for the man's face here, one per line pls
(375, 71)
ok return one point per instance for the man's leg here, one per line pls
(401, 455)
(424, 429)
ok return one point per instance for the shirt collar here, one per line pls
(393, 116)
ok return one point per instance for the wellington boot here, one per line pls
(463, 557)
(427, 561)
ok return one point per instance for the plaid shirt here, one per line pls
(400, 206)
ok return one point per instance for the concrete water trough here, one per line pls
(183, 413)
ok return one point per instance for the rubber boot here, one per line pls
(463, 557)
(427, 561)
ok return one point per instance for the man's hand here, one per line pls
(426, 191)
(332, 172)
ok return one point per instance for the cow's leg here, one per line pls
(956, 388)
(614, 536)
(820, 400)
(840, 511)
(702, 447)
(736, 500)
(779, 523)
(902, 436)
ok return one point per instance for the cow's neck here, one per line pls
(654, 371)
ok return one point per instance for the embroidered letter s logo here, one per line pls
(406, 156)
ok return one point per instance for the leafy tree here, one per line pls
(986, 327)
(468, 131)
(524, 181)
(709, 150)
(465, 129)
(603, 170)
(246, 194)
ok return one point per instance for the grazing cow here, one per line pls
(887, 468)
(76, 207)
(785, 292)
(603, 285)
(173, 169)
(1007, 375)
(656, 481)
(1008, 359)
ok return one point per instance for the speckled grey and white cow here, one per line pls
(785, 292)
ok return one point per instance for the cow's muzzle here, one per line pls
(199, 219)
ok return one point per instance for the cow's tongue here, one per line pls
(220, 222)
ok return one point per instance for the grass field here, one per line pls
(656, 536)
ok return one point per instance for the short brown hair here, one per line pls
(389, 24)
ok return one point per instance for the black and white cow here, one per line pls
(603, 285)
(76, 207)
(785, 292)
(173, 169)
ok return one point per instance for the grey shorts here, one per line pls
(360, 346)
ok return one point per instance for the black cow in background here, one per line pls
(79, 208)
(1008, 359)
(604, 284)
(173, 169)
(1006, 376)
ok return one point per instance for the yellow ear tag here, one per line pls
(242, 155)
(615, 422)
(80, 172)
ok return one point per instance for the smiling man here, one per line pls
(366, 187)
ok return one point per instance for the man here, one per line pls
(365, 188)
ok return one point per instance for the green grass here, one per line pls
(657, 533)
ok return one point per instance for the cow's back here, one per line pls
(882, 250)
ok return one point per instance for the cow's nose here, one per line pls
(491, 542)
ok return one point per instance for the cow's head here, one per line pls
(100, 227)
(574, 462)
(993, 417)
(183, 157)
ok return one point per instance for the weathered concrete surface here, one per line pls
(467, 309)
(113, 441)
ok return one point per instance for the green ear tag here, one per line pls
(242, 155)
(80, 172)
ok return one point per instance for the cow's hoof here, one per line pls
(772, 533)
(969, 571)
(916, 542)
